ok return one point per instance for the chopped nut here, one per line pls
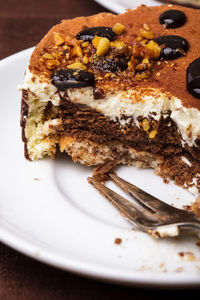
(96, 41)
(77, 51)
(118, 44)
(67, 55)
(77, 65)
(47, 56)
(60, 54)
(85, 60)
(85, 44)
(131, 66)
(55, 55)
(59, 40)
(146, 34)
(152, 134)
(158, 74)
(139, 38)
(145, 61)
(143, 42)
(142, 76)
(146, 27)
(141, 67)
(103, 46)
(72, 41)
(145, 125)
(66, 47)
(51, 63)
(118, 28)
(108, 75)
(118, 241)
(154, 49)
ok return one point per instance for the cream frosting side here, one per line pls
(42, 89)
(155, 103)
(122, 104)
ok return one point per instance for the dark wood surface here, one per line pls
(22, 25)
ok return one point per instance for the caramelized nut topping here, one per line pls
(85, 44)
(47, 56)
(96, 41)
(95, 50)
(103, 46)
(153, 134)
(51, 64)
(78, 51)
(85, 60)
(146, 27)
(118, 28)
(146, 34)
(77, 65)
(118, 44)
(145, 125)
(154, 50)
(59, 40)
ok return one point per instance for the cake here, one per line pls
(118, 89)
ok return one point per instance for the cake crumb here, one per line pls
(118, 241)
(179, 269)
(37, 179)
(162, 265)
(166, 180)
(194, 207)
(189, 256)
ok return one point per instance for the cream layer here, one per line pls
(123, 106)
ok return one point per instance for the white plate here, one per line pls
(49, 211)
(119, 6)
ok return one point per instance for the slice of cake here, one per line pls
(118, 89)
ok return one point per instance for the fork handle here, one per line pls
(195, 225)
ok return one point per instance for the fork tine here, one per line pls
(138, 216)
(142, 197)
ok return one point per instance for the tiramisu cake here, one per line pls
(118, 89)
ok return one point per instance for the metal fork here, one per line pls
(147, 213)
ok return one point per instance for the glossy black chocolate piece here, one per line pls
(89, 33)
(174, 46)
(193, 78)
(172, 18)
(71, 78)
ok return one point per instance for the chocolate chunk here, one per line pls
(174, 46)
(193, 78)
(70, 78)
(172, 18)
(88, 34)
(110, 65)
(106, 64)
(98, 93)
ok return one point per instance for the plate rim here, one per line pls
(26, 247)
(108, 4)
(43, 255)
(118, 8)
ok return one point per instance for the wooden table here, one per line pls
(22, 25)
